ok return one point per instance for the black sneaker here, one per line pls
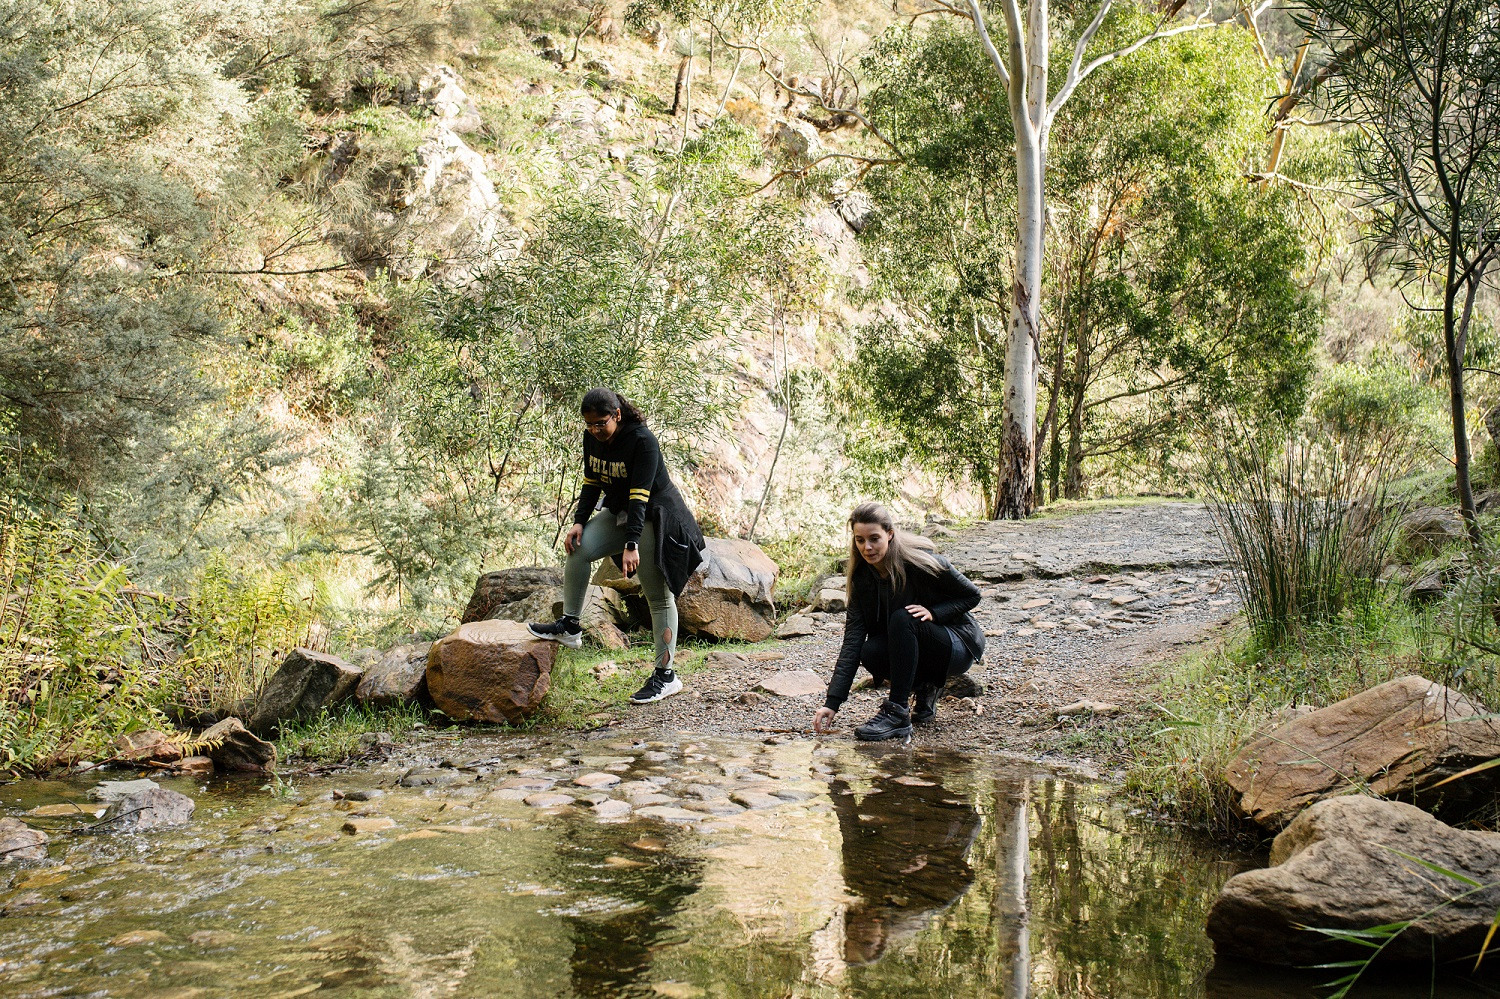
(892, 721)
(659, 685)
(565, 629)
(925, 710)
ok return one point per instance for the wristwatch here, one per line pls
(631, 546)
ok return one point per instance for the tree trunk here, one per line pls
(1455, 335)
(684, 81)
(1012, 888)
(1050, 423)
(1073, 481)
(1015, 495)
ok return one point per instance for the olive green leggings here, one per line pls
(604, 536)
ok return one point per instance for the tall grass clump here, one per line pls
(1306, 521)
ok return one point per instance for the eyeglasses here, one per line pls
(599, 424)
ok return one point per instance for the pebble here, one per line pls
(667, 813)
(755, 799)
(138, 938)
(597, 780)
(548, 799)
(374, 823)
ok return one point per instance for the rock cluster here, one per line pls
(1347, 860)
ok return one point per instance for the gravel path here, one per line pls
(1080, 607)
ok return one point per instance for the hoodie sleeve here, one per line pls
(645, 461)
(588, 495)
(848, 661)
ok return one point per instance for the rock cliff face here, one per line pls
(447, 211)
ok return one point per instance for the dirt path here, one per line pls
(1077, 607)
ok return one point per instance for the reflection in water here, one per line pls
(905, 844)
(612, 949)
(880, 874)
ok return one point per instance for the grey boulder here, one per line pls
(156, 808)
(729, 596)
(306, 683)
(398, 677)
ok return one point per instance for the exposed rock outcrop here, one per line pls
(729, 596)
(397, 677)
(491, 671)
(1427, 529)
(1343, 864)
(442, 217)
(1399, 739)
(307, 682)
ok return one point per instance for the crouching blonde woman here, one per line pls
(908, 623)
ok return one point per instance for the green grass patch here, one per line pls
(801, 565)
(1215, 700)
(592, 686)
(341, 734)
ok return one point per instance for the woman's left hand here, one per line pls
(630, 562)
(919, 612)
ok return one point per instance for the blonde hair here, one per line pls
(906, 549)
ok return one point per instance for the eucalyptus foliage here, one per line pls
(1420, 84)
(1173, 287)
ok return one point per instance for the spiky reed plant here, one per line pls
(1305, 519)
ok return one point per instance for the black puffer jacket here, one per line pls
(949, 595)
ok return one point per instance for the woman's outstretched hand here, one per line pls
(573, 537)
(822, 720)
(919, 612)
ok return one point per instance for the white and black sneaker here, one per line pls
(565, 629)
(662, 683)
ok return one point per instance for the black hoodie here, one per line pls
(628, 472)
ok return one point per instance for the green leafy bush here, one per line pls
(78, 658)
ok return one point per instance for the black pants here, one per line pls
(910, 654)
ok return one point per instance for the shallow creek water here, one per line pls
(741, 869)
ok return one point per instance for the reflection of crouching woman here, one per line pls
(645, 526)
(908, 622)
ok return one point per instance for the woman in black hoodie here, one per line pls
(908, 623)
(645, 526)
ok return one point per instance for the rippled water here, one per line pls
(868, 872)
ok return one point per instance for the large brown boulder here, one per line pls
(491, 671)
(306, 683)
(398, 677)
(534, 593)
(729, 596)
(234, 748)
(1340, 865)
(1399, 740)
